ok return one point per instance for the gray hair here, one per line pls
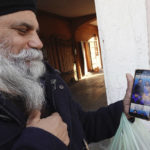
(19, 75)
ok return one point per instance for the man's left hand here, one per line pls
(127, 98)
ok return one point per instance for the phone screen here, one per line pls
(140, 97)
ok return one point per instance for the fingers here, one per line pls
(58, 127)
(52, 124)
(66, 136)
(129, 86)
(129, 81)
(127, 98)
(34, 117)
(56, 114)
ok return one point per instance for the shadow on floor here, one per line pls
(90, 91)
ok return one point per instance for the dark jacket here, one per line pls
(89, 126)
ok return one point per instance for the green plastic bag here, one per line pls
(131, 136)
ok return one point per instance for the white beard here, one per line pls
(19, 75)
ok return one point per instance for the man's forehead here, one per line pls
(26, 17)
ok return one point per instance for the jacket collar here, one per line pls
(12, 121)
(12, 111)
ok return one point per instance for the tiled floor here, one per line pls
(90, 91)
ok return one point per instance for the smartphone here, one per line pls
(140, 97)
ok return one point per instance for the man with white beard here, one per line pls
(36, 108)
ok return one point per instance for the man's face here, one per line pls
(21, 62)
(140, 81)
(20, 31)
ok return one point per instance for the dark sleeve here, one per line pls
(38, 139)
(103, 123)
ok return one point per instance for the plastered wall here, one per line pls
(124, 42)
(148, 24)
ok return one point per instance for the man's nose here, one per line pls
(35, 42)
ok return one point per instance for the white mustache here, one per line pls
(27, 55)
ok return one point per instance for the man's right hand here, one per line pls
(52, 124)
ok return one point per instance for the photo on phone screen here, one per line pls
(140, 97)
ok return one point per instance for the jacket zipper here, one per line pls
(53, 84)
(54, 87)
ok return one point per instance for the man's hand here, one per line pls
(52, 124)
(127, 98)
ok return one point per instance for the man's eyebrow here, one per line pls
(29, 26)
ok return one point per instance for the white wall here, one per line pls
(148, 23)
(123, 34)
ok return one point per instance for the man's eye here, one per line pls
(22, 30)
